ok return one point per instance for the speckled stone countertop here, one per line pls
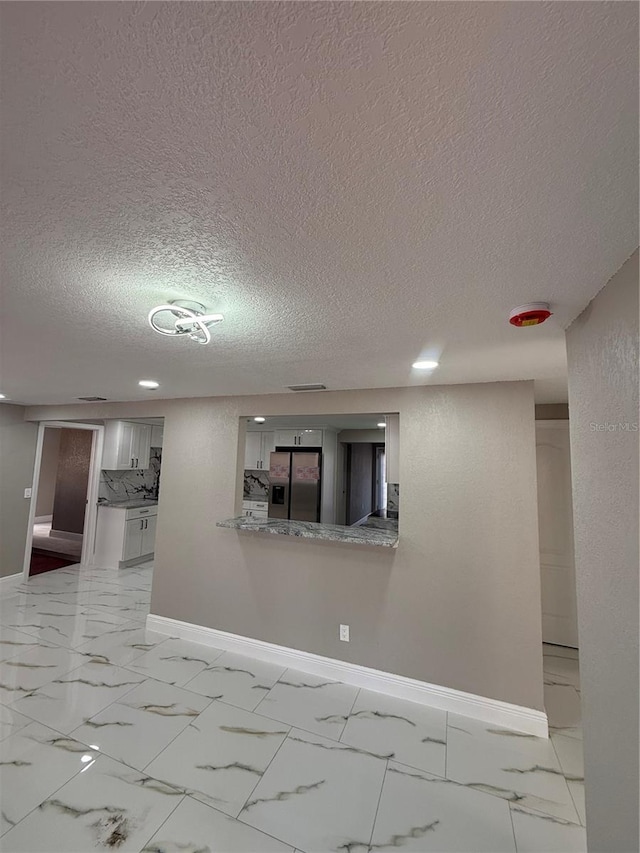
(138, 503)
(310, 530)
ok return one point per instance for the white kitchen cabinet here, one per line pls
(257, 449)
(132, 546)
(126, 445)
(255, 509)
(125, 536)
(298, 438)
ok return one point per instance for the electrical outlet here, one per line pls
(27, 493)
(344, 633)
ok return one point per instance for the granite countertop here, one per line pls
(135, 503)
(311, 530)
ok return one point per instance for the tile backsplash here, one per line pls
(256, 485)
(393, 499)
(125, 485)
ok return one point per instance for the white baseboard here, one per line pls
(65, 534)
(10, 581)
(42, 519)
(503, 714)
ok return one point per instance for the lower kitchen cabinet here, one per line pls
(125, 537)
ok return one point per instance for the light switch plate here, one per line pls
(27, 493)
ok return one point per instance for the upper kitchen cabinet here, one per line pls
(298, 438)
(126, 445)
(257, 449)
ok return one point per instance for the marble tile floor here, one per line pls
(113, 737)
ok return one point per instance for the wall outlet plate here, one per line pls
(344, 633)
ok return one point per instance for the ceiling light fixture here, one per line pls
(183, 317)
(3, 396)
(424, 365)
(151, 384)
(259, 420)
(382, 426)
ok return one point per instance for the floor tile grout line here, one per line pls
(262, 775)
(513, 828)
(157, 830)
(375, 817)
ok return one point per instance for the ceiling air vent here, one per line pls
(93, 399)
(313, 386)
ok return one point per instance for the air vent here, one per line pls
(93, 399)
(314, 386)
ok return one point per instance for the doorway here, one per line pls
(64, 497)
(555, 519)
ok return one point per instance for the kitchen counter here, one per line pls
(311, 530)
(131, 504)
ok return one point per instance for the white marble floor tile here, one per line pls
(537, 833)
(562, 704)
(410, 733)
(20, 675)
(570, 754)
(420, 812)
(237, 680)
(561, 670)
(68, 630)
(309, 702)
(139, 726)
(221, 756)
(123, 646)
(71, 698)
(35, 762)
(196, 828)
(11, 722)
(106, 807)
(549, 650)
(317, 795)
(521, 770)
(175, 661)
(13, 642)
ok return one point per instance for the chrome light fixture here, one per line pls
(183, 317)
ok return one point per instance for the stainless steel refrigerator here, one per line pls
(294, 485)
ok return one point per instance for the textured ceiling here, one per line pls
(353, 185)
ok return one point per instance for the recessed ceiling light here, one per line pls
(382, 425)
(3, 396)
(259, 420)
(149, 383)
(424, 365)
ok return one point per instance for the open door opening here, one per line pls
(62, 525)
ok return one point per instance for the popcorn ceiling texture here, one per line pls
(353, 185)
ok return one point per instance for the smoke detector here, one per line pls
(530, 315)
(182, 317)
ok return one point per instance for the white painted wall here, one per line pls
(602, 349)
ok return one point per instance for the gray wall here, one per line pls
(468, 553)
(48, 472)
(17, 455)
(457, 604)
(602, 348)
(72, 479)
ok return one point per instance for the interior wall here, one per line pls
(360, 482)
(602, 348)
(456, 604)
(355, 436)
(17, 456)
(72, 479)
(48, 472)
